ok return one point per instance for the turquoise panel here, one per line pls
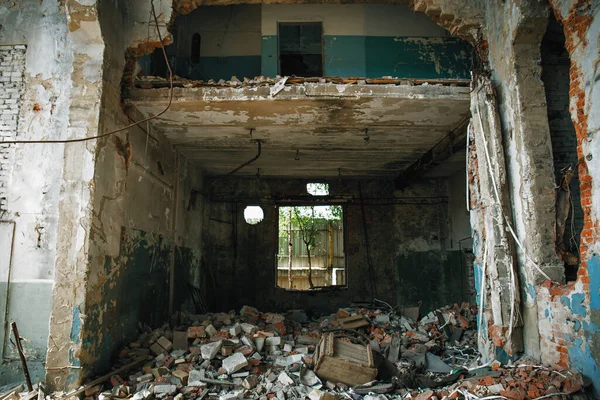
(269, 65)
(417, 57)
(345, 56)
(220, 68)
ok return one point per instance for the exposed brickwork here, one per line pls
(564, 309)
(12, 67)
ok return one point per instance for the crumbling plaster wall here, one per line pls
(140, 237)
(514, 34)
(241, 257)
(33, 185)
(560, 321)
(570, 314)
(105, 234)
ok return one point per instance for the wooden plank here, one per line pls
(353, 322)
(338, 370)
(351, 352)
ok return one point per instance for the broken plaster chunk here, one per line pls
(167, 389)
(142, 395)
(195, 378)
(157, 349)
(382, 318)
(165, 343)
(210, 330)
(232, 395)
(315, 394)
(235, 330)
(248, 328)
(285, 379)
(234, 363)
(250, 382)
(260, 343)
(210, 350)
(273, 341)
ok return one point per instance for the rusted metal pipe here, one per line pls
(22, 356)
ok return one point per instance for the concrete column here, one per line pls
(63, 364)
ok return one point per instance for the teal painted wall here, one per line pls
(417, 57)
(269, 62)
(443, 279)
(220, 68)
(378, 56)
(136, 291)
(345, 56)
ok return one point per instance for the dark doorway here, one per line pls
(301, 49)
(569, 214)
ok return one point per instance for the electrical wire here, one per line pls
(127, 126)
(367, 245)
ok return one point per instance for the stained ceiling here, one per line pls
(307, 130)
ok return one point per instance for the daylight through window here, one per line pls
(311, 247)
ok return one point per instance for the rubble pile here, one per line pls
(150, 82)
(357, 353)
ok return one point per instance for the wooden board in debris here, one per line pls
(339, 361)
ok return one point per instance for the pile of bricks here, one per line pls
(256, 355)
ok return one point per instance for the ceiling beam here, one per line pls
(453, 142)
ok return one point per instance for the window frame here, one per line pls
(301, 22)
(323, 201)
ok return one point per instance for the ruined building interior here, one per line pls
(162, 158)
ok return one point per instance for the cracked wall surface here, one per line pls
(33, 184)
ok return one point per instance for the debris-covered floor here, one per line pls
(362, 352)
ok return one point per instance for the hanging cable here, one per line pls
(247, 162)
(127, 126)
(364, 220)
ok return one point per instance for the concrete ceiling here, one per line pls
(308, 130)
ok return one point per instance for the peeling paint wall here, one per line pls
(560, 324)
(144, 198)
(570, 334)
(370, 40)
(32, 185)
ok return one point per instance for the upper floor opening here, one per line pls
(367, 41)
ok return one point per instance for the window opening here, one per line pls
(318, 189)
(253, 215)
(569, 214)
(196, 43)
(311, 247)
(301, 49)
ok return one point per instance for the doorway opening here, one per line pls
(301, 49)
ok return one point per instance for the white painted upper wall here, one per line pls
(399, 20)
(353, 19)
(345, 19)
(224, 30)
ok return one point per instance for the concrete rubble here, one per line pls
(148, 82)
(254, 355)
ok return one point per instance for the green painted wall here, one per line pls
(134, 290)
(442, 279)
(220, 68)
(378, 56)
